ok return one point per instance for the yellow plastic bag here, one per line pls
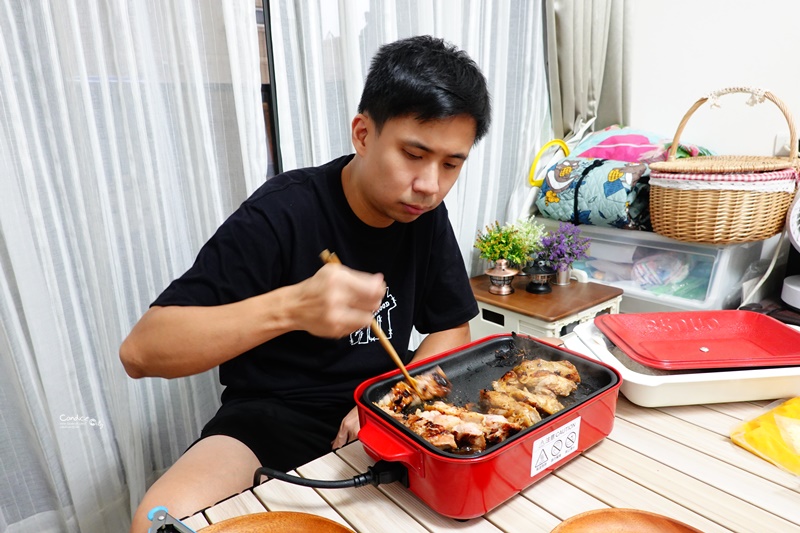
(774, 436)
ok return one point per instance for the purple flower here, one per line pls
(564, 246)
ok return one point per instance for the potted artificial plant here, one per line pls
(509, 248)
(563, 246)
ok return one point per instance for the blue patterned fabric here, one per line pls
(609, 193)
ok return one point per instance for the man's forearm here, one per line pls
(179, 341)
(442, 341)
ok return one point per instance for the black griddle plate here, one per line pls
(477, 365)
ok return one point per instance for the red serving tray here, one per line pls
(702, 339)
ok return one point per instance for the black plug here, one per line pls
(388, 472)
(381, 472)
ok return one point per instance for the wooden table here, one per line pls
(539, 315)
(675, 461)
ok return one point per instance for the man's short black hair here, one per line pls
(427, 78)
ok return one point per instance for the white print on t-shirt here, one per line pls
(384, 318)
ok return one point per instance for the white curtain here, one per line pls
(128, 131)
(322, 51)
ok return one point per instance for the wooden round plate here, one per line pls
(283, 521)
(622, 521)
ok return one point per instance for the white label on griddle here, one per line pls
(556, 445)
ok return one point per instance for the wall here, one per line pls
(678, 51)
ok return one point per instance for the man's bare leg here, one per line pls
(210, 471)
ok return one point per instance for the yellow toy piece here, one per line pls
(615, 174)
(774, 436)
(551, 197)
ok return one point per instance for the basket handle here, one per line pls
(758, 96)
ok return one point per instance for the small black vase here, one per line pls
(540, 273)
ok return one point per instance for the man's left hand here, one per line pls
(348, 430)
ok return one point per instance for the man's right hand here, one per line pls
(337, 301)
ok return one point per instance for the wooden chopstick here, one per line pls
(329, 257)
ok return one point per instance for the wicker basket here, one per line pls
(723, 199)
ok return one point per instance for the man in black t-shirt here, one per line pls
(291, 336)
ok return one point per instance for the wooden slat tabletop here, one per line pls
(675, 461)
(290, 497)
(561, 302)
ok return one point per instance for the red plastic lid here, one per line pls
(703, 339)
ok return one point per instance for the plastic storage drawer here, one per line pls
(662, 274)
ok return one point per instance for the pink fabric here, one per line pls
(630, 147)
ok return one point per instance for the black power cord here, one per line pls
(378, 474)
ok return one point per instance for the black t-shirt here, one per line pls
(274, 239)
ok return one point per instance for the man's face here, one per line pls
(409, 167)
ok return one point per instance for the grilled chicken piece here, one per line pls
(447, 432)
(402, 397)
(470, 436)
(494, 428)
(433, 433)
(440, 419)
(500, 403)
(544, 400)
(498, 428)
(562, 368)
(535, 377)
(540, 380)
(461, 412)
(433, 384)
(510, 379)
